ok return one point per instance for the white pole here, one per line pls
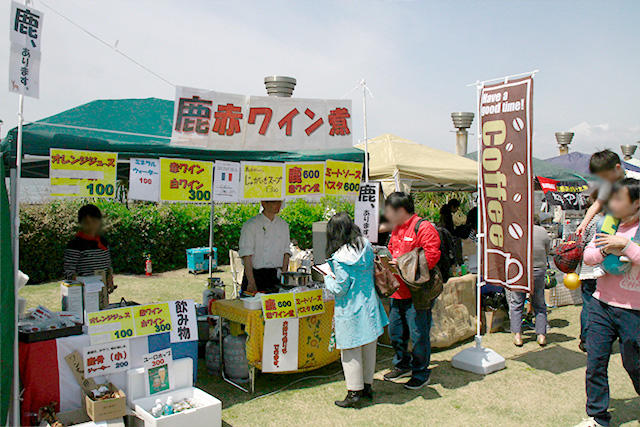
(366, 139)
(16, 265)
(479, 233)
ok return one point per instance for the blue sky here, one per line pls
(417, 58)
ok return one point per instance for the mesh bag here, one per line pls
(568, 254)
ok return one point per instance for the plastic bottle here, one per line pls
(168, 408)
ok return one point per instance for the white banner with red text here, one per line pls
(225, 121)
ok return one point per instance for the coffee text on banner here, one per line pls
(309, 303)
(366, 211)
(77, 173)
(105, 359)
(144, 179)
(262, 181)
(185, 180)
(304, 179)
(342, 178)
(278, 306)
(507, 183)
(280, 345)
(225, 121)
(152, 318)
(226, 182)
(111, 325)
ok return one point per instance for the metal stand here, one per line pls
(252, 369)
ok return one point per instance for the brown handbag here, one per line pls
(414, 268)
(386, 283)
(425, 285)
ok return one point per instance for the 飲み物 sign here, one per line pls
(342, 178)
(304, 179)
(77, 173)
(262, 181)
(185, 180)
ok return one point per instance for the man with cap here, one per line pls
(264, 247)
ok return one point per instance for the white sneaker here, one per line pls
(589, 422)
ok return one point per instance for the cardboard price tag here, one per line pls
(278, 306)
(152, 319)
(304, 179)
(78, 173)
(262, 181)
(342, 178)
(309, 303)
(111, 325)
(185, 180)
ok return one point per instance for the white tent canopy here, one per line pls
(404, 165)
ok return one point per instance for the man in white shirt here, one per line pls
(264, 246)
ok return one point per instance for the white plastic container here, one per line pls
(208, 411)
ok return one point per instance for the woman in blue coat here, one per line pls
(359, 316)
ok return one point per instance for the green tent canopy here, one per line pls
(545, 169)
(131, 128)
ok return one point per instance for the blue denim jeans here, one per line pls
(588, 288)
(405, 322)
(607, 323)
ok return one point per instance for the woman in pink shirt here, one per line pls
(614, 311)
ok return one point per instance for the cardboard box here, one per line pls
(494, 320)
(107, 409)
(79, 418)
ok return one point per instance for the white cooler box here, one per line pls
(208, 412)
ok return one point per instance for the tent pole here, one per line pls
(16, 266)
(366, 139)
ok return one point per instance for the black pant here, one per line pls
(605, 324)
(266, 280)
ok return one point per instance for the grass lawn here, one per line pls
(541, 387)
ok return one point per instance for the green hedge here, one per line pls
(163, 230)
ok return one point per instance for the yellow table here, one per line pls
(313, 341)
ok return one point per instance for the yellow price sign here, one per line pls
(185, 180)
(78, 173)
(342, 178)
(111, 325)
(262, 181)
(152, 318)
(278, 306)
(304, 179)
(309, 303)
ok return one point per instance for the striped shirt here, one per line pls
(83, 257)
